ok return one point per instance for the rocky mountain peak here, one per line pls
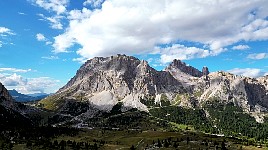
(105, 81)
(183, 67)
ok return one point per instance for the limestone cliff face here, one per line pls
(248, 93)
(122, 75)
(106, 81)
(179, 65)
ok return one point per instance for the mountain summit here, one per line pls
(104, 82)
(177, 64)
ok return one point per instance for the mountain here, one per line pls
(10, 117)
(39, 95)
(124, 97)
(105, 82)
(24, 98)
(183, 68)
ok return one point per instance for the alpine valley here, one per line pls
(120, 102)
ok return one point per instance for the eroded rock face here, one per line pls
(105, 81)
(184, 68)
(248, 93)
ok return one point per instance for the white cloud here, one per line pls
(15, 70)
(62, 42)
(41, 84)
(21, 13)
(79, 14)
(177, 51)
(57, 6)
(258, 56)
(40, 37)
(93, 3)
(5, 31)
(55, 21)
(48, 42)
(50, 57)
(240, 47)
(29, 85)
(137, 27)
(13, 80)
(248, 72)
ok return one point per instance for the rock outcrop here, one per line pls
(205, 71)
(177, 64)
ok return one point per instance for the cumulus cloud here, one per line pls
(13, 80)
(38, 85)
(40, 37)
(257, 56)
(240, 47)
(248, 72)
(28, 85)
(5, 31)
(137, 27)
(93, 3)
(78, 15)
(55, 21)
(181, 52)
(57, 6)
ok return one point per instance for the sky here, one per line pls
(44, 42)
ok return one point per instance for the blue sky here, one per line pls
(44, 42)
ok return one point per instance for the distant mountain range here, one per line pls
(19, 97)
